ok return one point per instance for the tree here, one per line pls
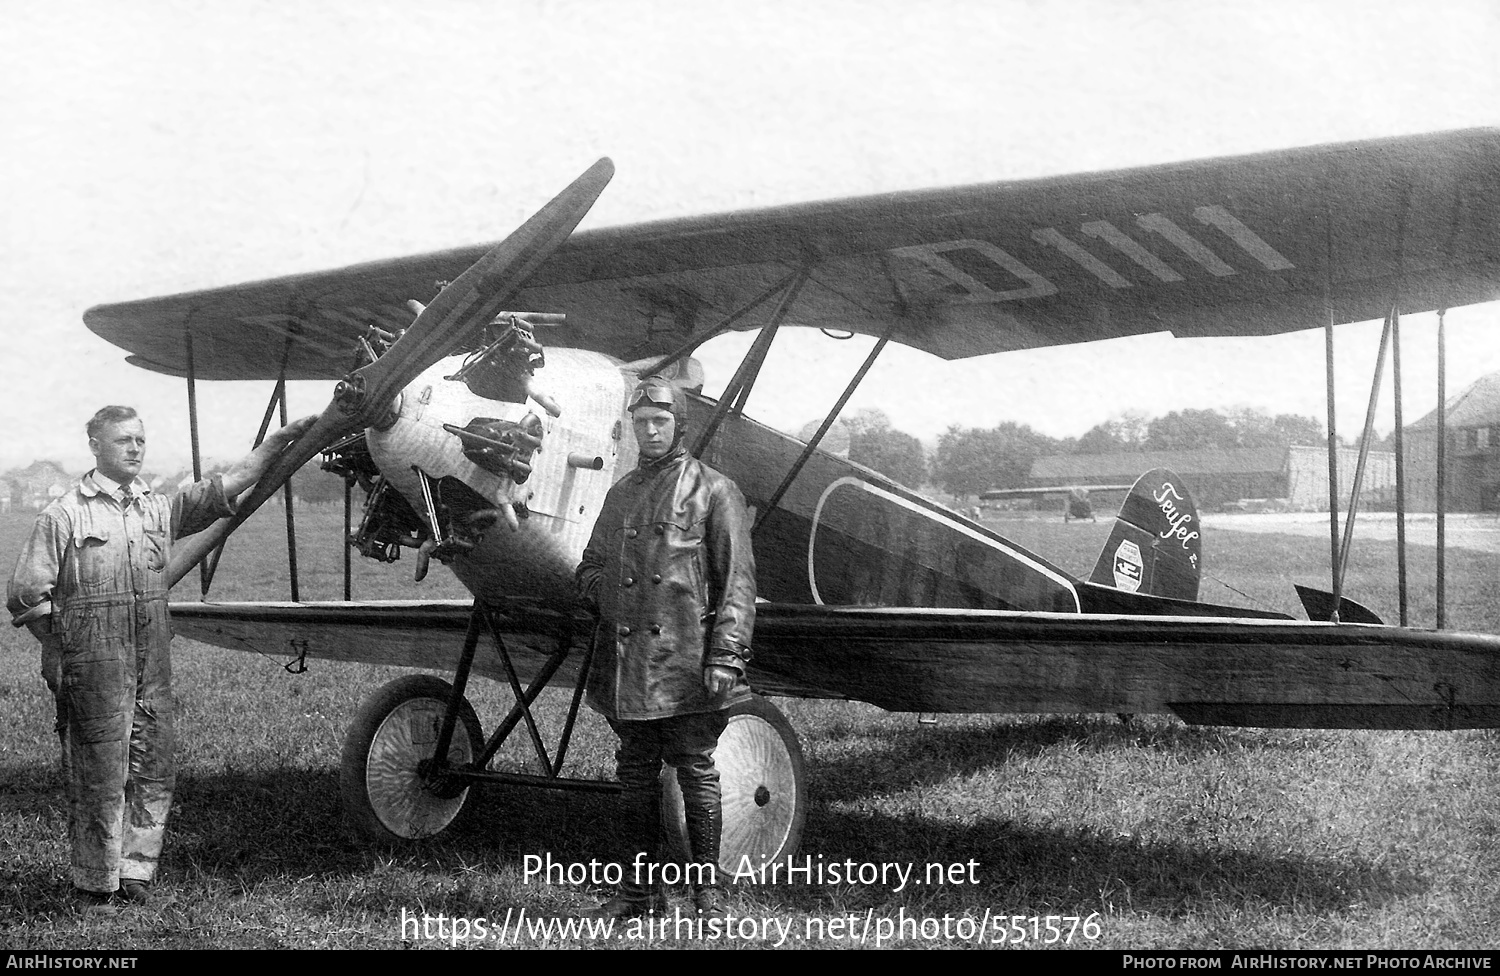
(1099, 439)
(959, 465)
(868, 438)
(1296, 429)
(893, 453)
(973, 460)
(1126, 432)
(867, 419)
(1254, 428)
(1188, 430)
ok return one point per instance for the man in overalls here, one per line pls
(91, 584)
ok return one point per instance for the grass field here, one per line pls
(1163, 835)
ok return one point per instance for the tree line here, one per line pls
(971, 459)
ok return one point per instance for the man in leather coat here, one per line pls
(670, 567)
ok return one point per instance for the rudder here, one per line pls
(1155, 545)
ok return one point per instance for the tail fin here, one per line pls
(1154, 547)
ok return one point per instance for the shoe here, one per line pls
(99, 904)
(709, 900)
(630, 905)
(705, 820)
(135, 892)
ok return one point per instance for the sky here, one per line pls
(167, 145)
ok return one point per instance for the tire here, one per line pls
(385, 796)
(763, 788)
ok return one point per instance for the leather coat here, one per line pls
(670, 567)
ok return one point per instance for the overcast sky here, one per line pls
(156, 147)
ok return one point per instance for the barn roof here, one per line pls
(1126, 465)
(1478, 405)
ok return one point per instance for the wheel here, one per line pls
(386, 796)
(762, 785)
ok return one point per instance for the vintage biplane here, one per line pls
(1076, 503)
(486, 439)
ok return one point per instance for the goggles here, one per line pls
(663, 397)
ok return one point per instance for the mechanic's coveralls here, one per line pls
(99, 554)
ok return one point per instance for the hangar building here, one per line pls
(1293, 478)
(1473, 453)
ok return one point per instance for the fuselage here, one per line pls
(841, 534)
(561, 498)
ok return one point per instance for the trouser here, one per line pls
(687, 743)
(118, 746)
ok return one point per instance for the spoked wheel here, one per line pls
(385, 777)
(762, 783)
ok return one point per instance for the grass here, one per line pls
(1166, 835)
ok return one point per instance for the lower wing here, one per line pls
(1216, 670)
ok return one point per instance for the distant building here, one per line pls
(1473, 455)
(39, 483)
(1286, 477)
(1307, 478)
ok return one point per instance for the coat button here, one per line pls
(631, 533)
(661, 530)
(624, 631)
(656, 578)
(628, 582)
(656, 628)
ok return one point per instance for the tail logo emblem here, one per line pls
(1128, 567)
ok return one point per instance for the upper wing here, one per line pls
(1239, 246)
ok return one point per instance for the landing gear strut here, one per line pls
(395, 789)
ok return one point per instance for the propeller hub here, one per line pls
(390, 415)
(350, 393)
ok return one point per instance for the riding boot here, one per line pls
(705, 822)
(639, 894)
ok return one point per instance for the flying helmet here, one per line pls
(653, 391)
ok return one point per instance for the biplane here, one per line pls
(1076, 503)
(486, 438)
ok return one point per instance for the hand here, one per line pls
(294, 430)
(719, 680)
(37, 619)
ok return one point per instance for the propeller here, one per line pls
(471, 299)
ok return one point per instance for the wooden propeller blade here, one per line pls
(470, 300)
(474, 297)
(188, 552)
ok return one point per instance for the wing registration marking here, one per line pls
(1053, 237)
(975, 271)
(933, 255)
(1248, 240)
(1126, 245)
(1186, 243)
